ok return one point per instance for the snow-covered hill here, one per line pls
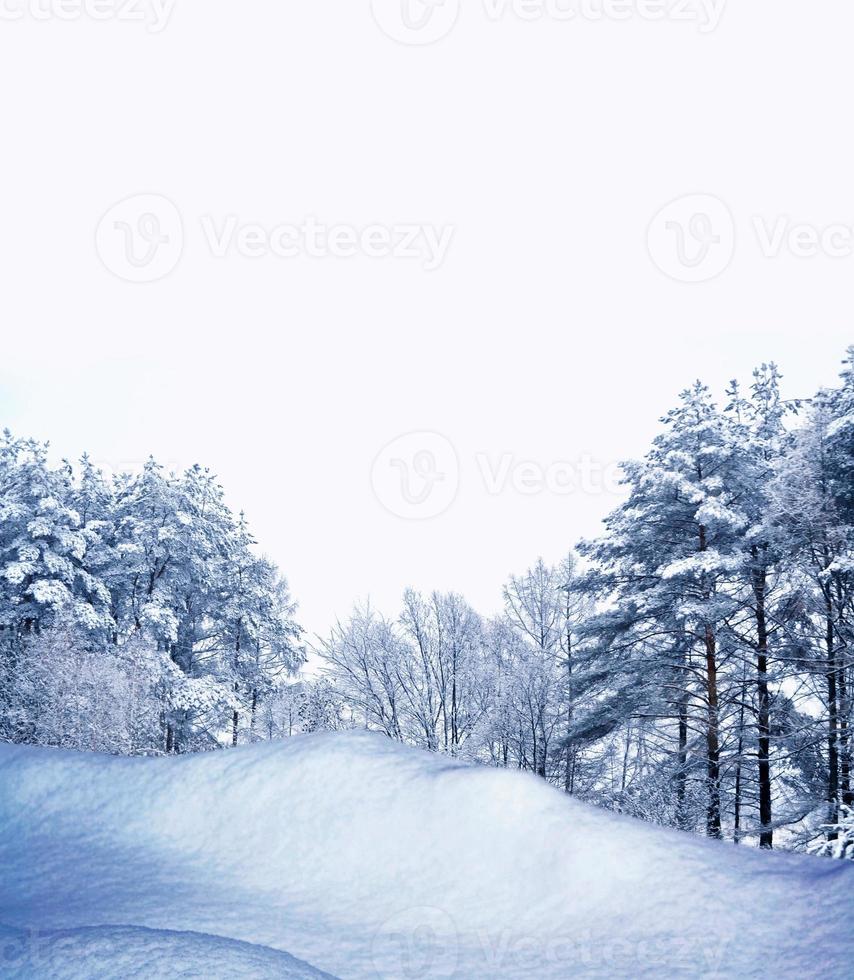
(125, 952)
(370, 860)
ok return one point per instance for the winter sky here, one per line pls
(501, 277)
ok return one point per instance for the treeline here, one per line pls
(692, 666)
(135, 614)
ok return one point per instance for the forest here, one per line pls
(691, 666)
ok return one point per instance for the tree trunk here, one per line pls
(846, 793)
(253, 713)
(682, 771)
(454, 725)
(832, 724)
(766, 836)
(736, 831)
(713, 751)
(540, 761)
(570, 751)
(235, 716)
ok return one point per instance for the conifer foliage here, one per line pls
(135, 613)
(692, 666)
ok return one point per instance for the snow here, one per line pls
(840, 425)
(122, 952)
(702, 563)
(367, 859)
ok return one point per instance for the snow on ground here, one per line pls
(370, 860)
(125, 952)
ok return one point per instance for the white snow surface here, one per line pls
(367, 859)
(124, 952)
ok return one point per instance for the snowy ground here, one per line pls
(123, 951)
(370, 860)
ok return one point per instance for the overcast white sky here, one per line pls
(553, 331)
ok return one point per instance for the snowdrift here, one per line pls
(83, 954)
(366, 859)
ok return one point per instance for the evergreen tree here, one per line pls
(668, 562)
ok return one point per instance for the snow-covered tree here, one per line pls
(102, 570)
(840, 837)
(692, 666)
(666, 564)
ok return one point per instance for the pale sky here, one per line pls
(555, 331)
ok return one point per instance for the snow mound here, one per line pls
(371, 860)
(145, 954)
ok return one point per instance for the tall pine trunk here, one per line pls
(845, 789)
(736, 832)
(570, 750)
(832, 722)
(713, 745)
(682, 770)
(713, 750)
(760, 584)
(235, 715)
(843, 713)
(253, 713)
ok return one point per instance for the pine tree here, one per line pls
(810, 518)
(667, 563)
(756, 432)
